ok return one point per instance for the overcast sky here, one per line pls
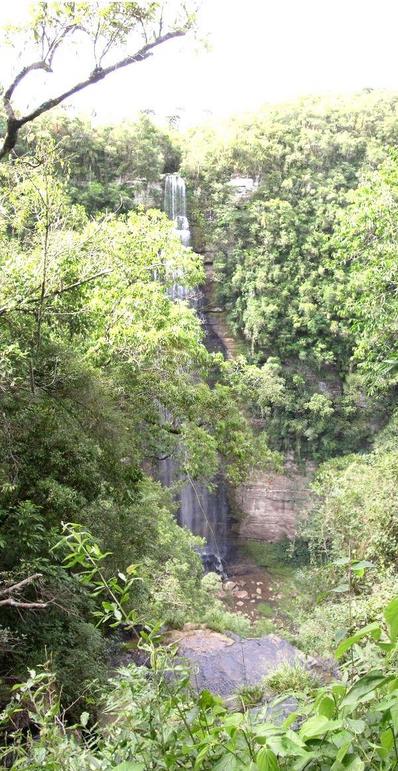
(262, 50)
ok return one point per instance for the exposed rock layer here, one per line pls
(272, 505)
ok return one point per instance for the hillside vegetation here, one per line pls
(306, 265)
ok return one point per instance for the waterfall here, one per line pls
(175, 206)
(201, 511)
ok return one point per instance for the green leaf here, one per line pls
(362, 565)
(303, 762)
(391, 617)
(346, 644)
(286, 744)
(326, 707)
(341, 753)
(356, 726)
(339, 690)
(394, 717)
(341, 588)
(387, 739)
(341, 738)
(207, 699)
(229, 763)
(386, 647)
(363, 687)
(129, 766)
(318, 726)
(355, 764)
(84, 718)
(267, 761)
(291, 718)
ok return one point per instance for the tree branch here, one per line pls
(43, 64)
(14, 123)
(52, 49)
(76, 284)
(54, 293)
(15, 588)
(40, 65)
(28, 605)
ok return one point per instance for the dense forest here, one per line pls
(106, 372)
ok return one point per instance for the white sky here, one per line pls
(262, 50)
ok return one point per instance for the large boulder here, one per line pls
(223, 665)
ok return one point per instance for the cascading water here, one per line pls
(201, 511)
(175, 206)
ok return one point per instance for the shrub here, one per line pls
(262, 627)
(152, 717)
(250, 695)
(291, 677)
(321, 628)
(222, 620)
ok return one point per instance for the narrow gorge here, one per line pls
(267, 506)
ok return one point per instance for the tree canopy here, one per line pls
(305, 263)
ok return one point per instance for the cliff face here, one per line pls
(272, 504)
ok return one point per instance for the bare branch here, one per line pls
(14, 123)
(28, 605)
(45, 63)
(40, 65)
(16, 587)
(52, 48)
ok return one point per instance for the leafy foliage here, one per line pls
(291, 203)
(356, 510)
(102, 373)
(155, 720)
(294, 678)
